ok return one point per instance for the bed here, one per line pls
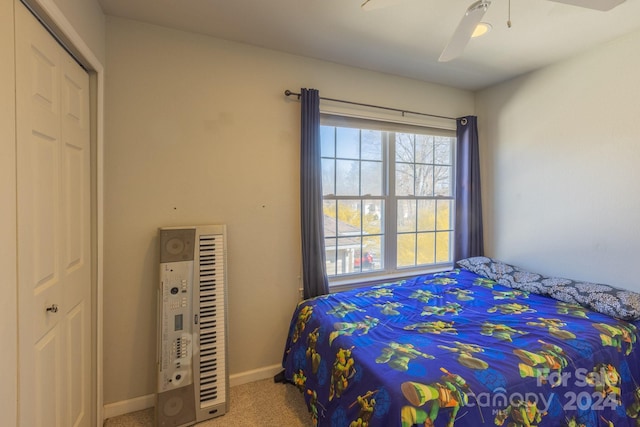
(483, 344)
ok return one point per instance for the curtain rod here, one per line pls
(403, 112)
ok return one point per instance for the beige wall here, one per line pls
(198, 131)
(560, 166)
(8, 284)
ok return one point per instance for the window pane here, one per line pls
(346, 250)
(404, 148)
(330, 227)
(424, 149)
(373, 254)
(330, 255)
(406, 250)
(443, 147)
(424, 180)
(443, 246)
(349, 217)
(426, 215)
(371, 145)
(444, 215)
(443, 180)
(347, 177)
(372, 222)
(371, 178)
(404, 179)
(327, 141)
(406, 216)
(328, 176)
(426, 248)
(348, 143)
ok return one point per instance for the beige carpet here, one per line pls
(260, 404)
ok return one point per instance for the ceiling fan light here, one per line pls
(481, 29)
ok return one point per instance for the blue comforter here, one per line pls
(455, 348)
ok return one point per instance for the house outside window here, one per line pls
(388, 198)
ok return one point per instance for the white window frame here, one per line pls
(390, 199)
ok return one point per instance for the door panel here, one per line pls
(53, 201)
(74, 160)
(38, 186)
(77, 361)
(47, 393)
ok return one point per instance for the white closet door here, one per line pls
(54, 253)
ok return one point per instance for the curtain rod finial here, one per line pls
(289, 93)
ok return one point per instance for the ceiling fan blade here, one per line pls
(378, 4)
(603, 5)
(462, 35)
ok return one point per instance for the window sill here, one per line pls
(346, 283)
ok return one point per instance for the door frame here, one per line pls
(53, 18)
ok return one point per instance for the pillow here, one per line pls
(487, 267)
(505, 274)
(605, 299)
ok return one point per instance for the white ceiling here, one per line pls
(404, 39)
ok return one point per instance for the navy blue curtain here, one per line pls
(469, 239)
(314, 275)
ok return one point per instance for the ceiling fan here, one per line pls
(473, 16)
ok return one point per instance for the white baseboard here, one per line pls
(143, 402)
(254, 375)
(126, 406)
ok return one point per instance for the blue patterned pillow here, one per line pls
(605, 299)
